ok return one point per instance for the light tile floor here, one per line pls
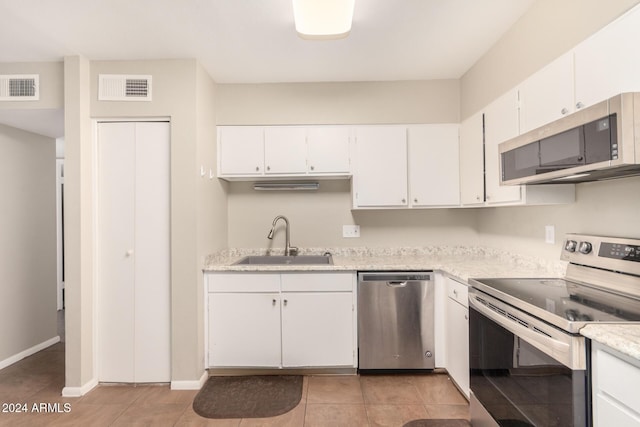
(373, 400)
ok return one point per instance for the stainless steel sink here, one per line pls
(286, 260)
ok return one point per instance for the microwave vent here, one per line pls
(119, 87)
(20, 87)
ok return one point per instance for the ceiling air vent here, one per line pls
(119, 87)
(20, 87)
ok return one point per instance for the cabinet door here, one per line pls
(380, 176)
(328, 149)
(608, 63)
(500, 124)
(434, 165)
(457, 341)
(240, 150)
(285, 150)
(244, 329)
(472, 161)
(318, 329)
(548, 94)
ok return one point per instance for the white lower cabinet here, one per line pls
(316, 329)
(275, 320)
(616, 401)
(456, 334)
(244, 329)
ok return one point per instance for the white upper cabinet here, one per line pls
(608, 63)
(380, 173)
(240, 150)
(472, 161)
(501, 122)
(547, 95)
(254, 152)
(434, 167)
(285, 150)
(328, 149)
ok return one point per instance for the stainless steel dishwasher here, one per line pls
(395, 320)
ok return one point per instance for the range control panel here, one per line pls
(620, 251)
(612, 253)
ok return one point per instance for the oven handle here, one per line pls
(561, 351)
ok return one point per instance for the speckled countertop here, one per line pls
(624, 338)
(462, 262)
(459, 261)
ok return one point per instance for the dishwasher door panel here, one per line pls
(395, 321)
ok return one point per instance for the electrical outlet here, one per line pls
(350, 231)
(550, 234)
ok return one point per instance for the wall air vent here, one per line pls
(20, 87)
(119, 87)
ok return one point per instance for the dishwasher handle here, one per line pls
(396, 284)
(395, 277)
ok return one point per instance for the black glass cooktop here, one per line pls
(569, 301)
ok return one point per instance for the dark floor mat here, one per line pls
(256, 396)
(437, 423)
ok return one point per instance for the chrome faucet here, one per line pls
(288, 249)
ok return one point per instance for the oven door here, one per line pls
(524, 372)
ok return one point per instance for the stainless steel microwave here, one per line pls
(599, 142)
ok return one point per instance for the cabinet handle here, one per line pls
(285, 302)
(273, 301)
(466, 317)
(257, 168)
(415, 200)
(478, 198)
(579, 105)
(404, 200)
(268, 168)
(488, 197)
(312, 168)
(564, 111)
(455, 292)
(128, 253)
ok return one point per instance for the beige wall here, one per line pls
(609, 208)
(78, 225)
(28, 243)
(317, 218)
(549, 29)
(435, 101)
(211, 201)
(51, 87)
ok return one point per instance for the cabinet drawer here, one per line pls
(317, 282)
(610, 371)
(243, 282)
(458, 292)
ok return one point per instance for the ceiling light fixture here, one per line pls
(323, 19)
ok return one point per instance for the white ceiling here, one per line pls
(254, 41)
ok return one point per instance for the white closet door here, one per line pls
(152, 253)
(115, 296)
(133, 297)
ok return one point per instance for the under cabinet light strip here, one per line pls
(286, 186)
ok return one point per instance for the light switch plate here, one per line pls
(350, 231)
(550, 234)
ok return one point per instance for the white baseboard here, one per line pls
(79, 391)
(28, 352)
(190, 385)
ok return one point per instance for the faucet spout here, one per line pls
(288, 249)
